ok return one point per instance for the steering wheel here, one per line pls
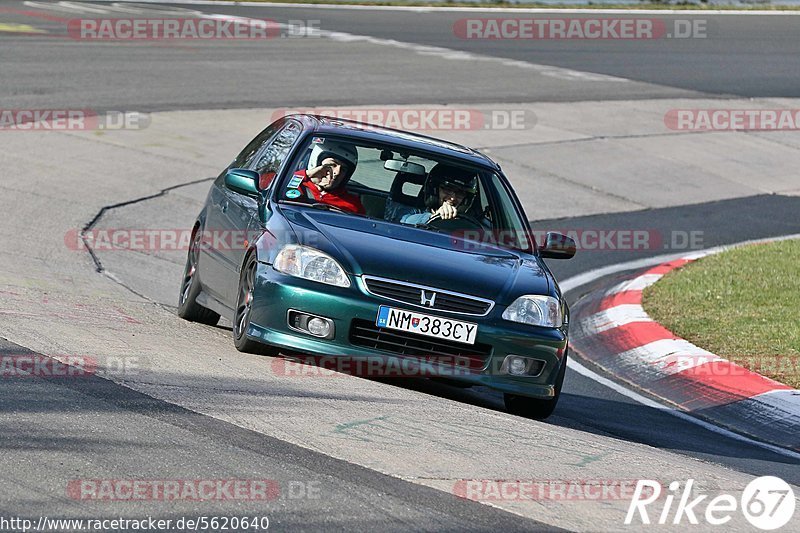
(438, 222)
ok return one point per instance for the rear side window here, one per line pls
(271, 159)
(244, 159)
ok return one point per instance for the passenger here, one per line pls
(330, 167)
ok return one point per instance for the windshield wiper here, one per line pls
(422, 225)
(317, 205)
(328, 207)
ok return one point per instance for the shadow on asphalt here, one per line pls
(616, 417)
(674, 230)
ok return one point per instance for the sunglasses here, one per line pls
(453, 191)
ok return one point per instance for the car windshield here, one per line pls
(403, 186)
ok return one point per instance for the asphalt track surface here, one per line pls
(740, 56)
(53, 425)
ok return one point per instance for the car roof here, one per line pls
(369, 132)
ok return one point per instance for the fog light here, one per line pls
(319, 327)
(517, 365)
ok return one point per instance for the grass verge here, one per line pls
(743, 305)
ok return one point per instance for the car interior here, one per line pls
(406, 187)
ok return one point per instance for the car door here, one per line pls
(241, 214)
(216, 266)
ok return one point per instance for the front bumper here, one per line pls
(277, 293)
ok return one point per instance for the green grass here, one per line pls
(743, 305)
(565, 5)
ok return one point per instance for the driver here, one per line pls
(448, 191)
(330, 166)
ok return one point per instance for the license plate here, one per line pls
(430, 326)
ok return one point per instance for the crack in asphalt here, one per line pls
(98, 265)
(772, 139)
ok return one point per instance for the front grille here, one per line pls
(411, 294)
(367, 334)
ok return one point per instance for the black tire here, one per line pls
(241, 314)
(535, 408)
(188, 308)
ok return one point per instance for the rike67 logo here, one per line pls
(767, 502)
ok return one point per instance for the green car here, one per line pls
(359, 247)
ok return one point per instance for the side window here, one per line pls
(507, 221)
(271, 159)
(244, 159)
(485, 208)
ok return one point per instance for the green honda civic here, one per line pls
(382, 253)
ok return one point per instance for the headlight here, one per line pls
(535, 310)
(308, 263)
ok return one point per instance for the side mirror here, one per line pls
(242, 181)
(557, 246)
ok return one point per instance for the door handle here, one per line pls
(224, 206)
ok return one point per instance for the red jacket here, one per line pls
(339, 197)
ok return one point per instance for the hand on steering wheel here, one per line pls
(447, 211)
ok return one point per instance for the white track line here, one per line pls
(441, 52)
(467, 9)
(614, 317)
(639, 283)
(647, 402)
(66, 7)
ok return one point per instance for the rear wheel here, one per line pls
(188, 308)
(244, 305)
(533, 407)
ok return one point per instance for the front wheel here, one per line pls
(244, 306)
(534, 407)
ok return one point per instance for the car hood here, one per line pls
(372, 247)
